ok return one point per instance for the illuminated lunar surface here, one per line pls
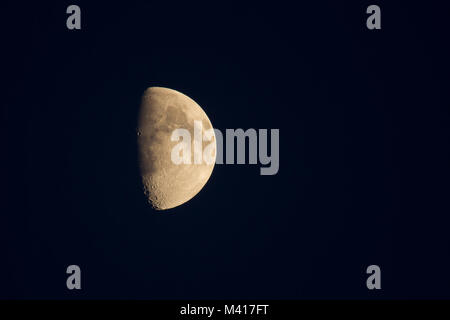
(167, 184)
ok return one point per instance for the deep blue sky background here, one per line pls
(364, 150)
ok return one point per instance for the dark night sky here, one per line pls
(364, 150)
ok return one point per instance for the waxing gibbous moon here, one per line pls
(167, 184)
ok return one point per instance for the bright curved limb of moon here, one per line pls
(167, 184)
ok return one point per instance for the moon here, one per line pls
(167, 184)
